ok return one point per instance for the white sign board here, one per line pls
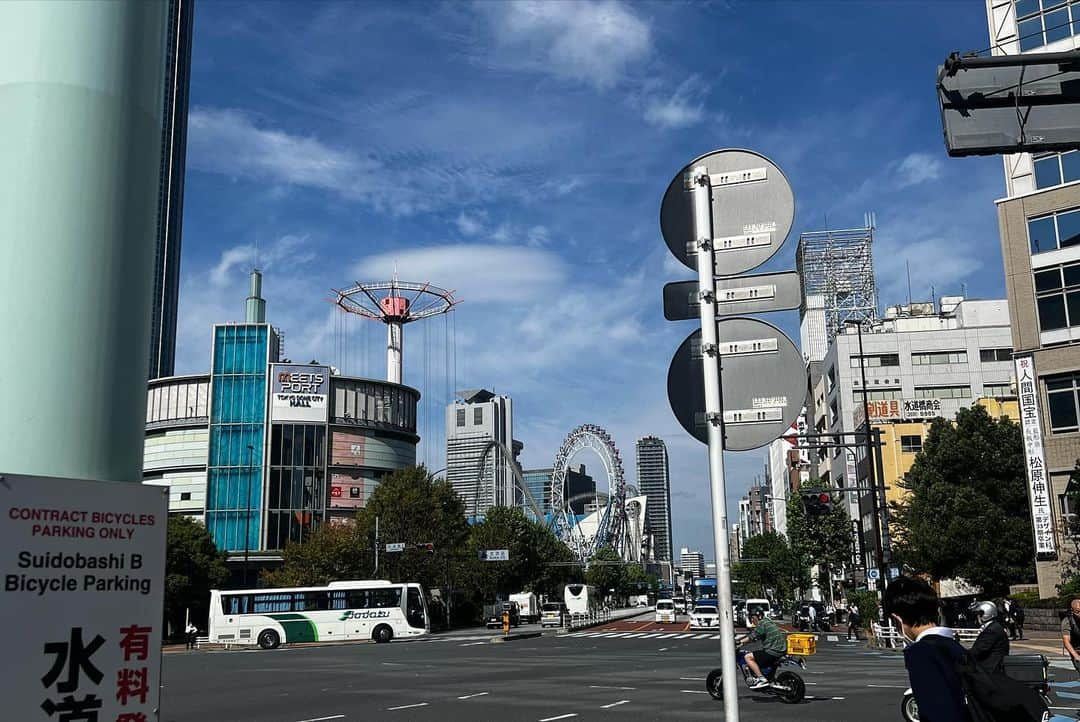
(84, 567)
(1038, 479)
(496, 555)
(396, 547)
(299, 393)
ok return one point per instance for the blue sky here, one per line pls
(517, 153)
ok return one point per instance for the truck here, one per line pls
(528, 606)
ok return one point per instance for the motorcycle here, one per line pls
(788, 686)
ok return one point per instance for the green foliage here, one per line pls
(967, 513)
(331, 553)
(193, 566)
(533, 551)
(606, 577)
(770, 565)
(823, 540)
(867, 602)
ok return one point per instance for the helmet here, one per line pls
(984, 611)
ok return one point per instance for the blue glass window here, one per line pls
(1026, 7)
(1068, 228)
(1041, 234)
(1030, 32)
(1047, 171)
(1070, 162)
(1057, 25)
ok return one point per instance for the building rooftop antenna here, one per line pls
(395, 303)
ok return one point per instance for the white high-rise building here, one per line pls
(655, 484)
(692, 563)
(475, 420)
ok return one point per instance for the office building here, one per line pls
(480, 446)
(263, 450)
(921, 362)
(654, 481)
(788, 468)
(170, 210)
(580, 492)
(538, 482)
(1039, 223)
(692, 563)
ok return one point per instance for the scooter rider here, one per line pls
(992, 645)
(774, 646)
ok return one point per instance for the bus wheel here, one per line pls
(269, 639)
(382, 634)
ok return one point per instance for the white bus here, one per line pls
(378, 610)
(580, 599)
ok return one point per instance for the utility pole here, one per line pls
(871, 463)
(376, 571)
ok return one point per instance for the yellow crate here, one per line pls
(801, 645)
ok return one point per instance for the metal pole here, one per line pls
(395, 338)
(710, 363)
(886, 546)
(871, 467)
(247, 519)
(80, 145)
(376, 570)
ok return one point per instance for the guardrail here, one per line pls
(889, 637)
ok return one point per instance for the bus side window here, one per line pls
(357, 598)
(338, 600)
(236, 604)
(311, 601)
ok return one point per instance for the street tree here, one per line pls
(768, 564)
(193, 566)
(606, 571)
(823, 540)
(966, 514)
(329, 553)
(538, 561)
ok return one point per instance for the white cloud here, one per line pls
(683, 108)
(590, 42)
(469, 225)
(918, 168)
(478, 272)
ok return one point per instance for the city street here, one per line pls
(596, 674)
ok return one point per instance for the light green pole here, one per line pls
(80, 134)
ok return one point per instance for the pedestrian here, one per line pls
(190, 635)
(1018, 616)
(991, 647)
(1008, 617)
(853, 620)
(1070, 633)
(813, 616)
(932, 655)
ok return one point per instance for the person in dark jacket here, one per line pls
(992, 645)
(933, 656)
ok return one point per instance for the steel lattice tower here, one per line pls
(838, 266)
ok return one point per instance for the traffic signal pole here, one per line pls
(710, 362)
(872, 469)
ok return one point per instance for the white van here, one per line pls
(665, 612)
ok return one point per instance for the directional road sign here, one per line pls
(762, 384)
(396, 547)
(752, 211)
(734, 296)
(873, 574)
(495, 555)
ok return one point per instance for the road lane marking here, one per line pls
(472, 644)
(663, 649)
(643, 626)
(650, 636)
(407, 706)
(634, 635)
(470, 696)
(562, 716)
(832, 638)
(602, 686)
(614, 704)
(693, 691)
(320, 719)
(715, 636)
(668, 636)
(701, 636)
(887, 686)
(692, 679)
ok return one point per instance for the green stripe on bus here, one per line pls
(298, 628)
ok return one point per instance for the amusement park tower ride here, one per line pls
(395, 303)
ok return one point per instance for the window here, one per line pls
(911, 444)
(1057, 230)
(997, 391)
(460, 417)
(934, 358)
(943, 392)
(884, 394)
(185, 496)
(1061, 397)
(831, 376)
(988, 355)
(887, 359)
(1058, 168)
(278, 602)
(1057, 296)
(1042, 23)
(478, 416)
(311, 601)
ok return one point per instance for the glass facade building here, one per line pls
(538, 482)
(238, 395)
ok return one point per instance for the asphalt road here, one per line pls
(599, 674)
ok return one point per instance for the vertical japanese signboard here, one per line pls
(1038, 479)
(83, 564)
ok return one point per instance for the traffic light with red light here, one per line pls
(427, 547)
(818, 502)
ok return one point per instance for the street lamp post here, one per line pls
(871, 465)
(247, 518)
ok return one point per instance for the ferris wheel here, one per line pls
(611, 523)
